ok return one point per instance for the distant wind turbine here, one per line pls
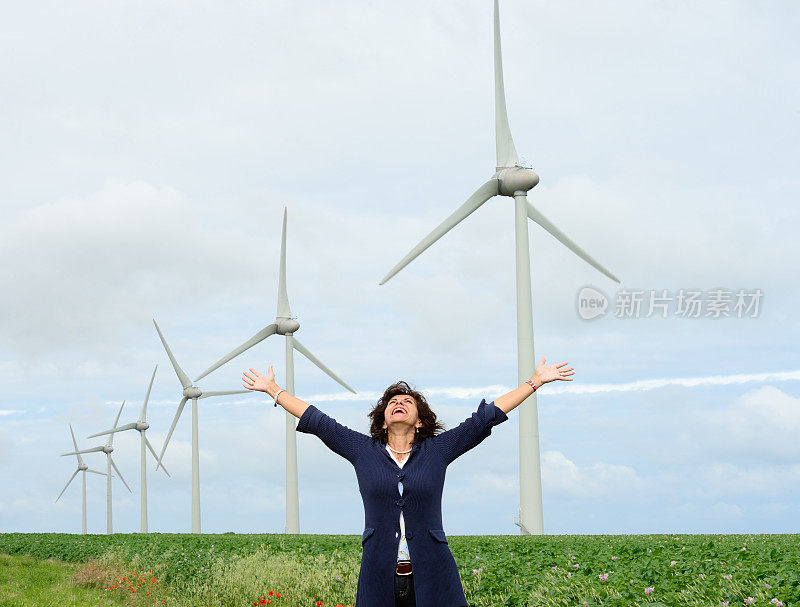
(513, 180)
(284, 325)
(195, 393)
(82, 467)
(141, 425)
(108, 449)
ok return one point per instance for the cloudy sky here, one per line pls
(148, 152)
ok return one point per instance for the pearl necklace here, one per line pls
(396, 451)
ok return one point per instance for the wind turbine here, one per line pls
(513, 180)
(141, 425)
(195, 393)
(284, 325)
(82, 467)
(107, 449)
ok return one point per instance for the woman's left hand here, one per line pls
(549, 373)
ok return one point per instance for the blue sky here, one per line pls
(150, 149)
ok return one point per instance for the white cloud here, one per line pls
(563, 478)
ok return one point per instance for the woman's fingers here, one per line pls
(256, 373)
(248, 376)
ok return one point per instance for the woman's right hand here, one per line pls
(258, 381)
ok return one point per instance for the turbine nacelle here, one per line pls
(142, 426)
(82, 466)
(192, 392)
(515, 179)
(286, 325)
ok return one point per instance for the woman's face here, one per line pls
(401, 411)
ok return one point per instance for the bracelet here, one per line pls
(276, 396)
(530, 383)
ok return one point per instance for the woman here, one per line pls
(400, 467)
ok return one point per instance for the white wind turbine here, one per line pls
(513, 180)
(82, 467)
(195, 393)
(141, 425)
(284, 325)
(108, 449)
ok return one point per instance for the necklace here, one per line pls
(396, 451)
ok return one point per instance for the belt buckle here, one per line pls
(403, 568)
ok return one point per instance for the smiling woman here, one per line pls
(401, 468)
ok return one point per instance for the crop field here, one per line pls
(322, 570)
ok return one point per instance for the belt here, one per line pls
(403, 568)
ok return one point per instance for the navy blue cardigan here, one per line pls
(436, 579)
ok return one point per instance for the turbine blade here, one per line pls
(222, 393)
(96, 472)
(118, 472)
(92, 450)
(74, 474)
(304, 351)
(143, 414)
(116, 421)
(74, 442)
(565, 240)
(506, 152)
(153, 451)
(283, 298)
(171, 429)
(260, 336)
(481, 195)
(120, 429)
(184, 379)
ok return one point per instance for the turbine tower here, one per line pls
(284, 325)
(108, 449)
(141, 425)
(195, 393)
(513, 180)
(82, 467)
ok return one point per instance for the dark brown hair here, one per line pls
(428, 418)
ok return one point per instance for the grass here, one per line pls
(26, 581)
(187, 570)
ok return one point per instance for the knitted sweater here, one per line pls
(436, 579)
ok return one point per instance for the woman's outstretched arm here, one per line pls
(544, 373)
(266, 383)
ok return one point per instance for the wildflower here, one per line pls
(613, 558)
(576, 565)
(555, 567)
(768, 586)
(649, 590)
(729, 576)
(702, 575)
(724, 603)
(672, 564)
(749, 600)
(603, 577)
(569, 574)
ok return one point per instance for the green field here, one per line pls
(232, 569)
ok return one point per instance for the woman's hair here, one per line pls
(428, 418)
